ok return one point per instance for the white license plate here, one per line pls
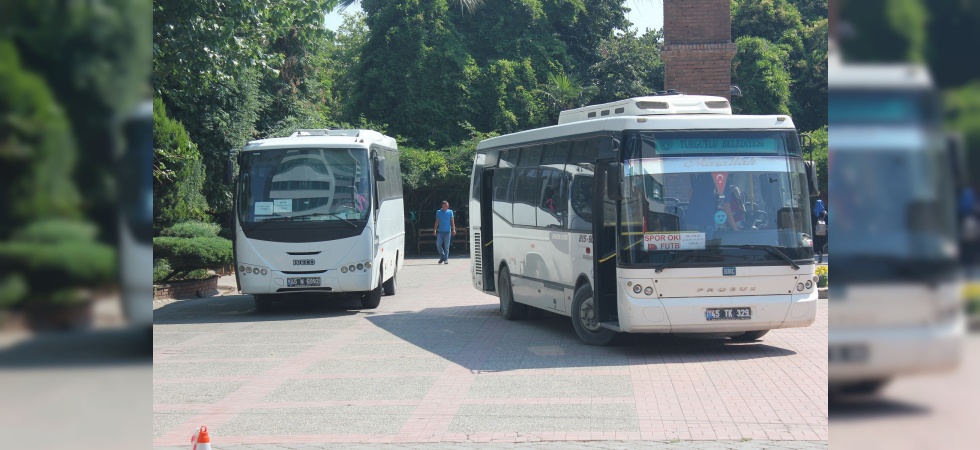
(302, 282)
(728, 313)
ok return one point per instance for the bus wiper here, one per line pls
(328, 214)
(771, 249)
(679, 259)
(278, 218)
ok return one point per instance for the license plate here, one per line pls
(298, 282)
(850, 353)
(728, 313)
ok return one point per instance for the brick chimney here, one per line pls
(698, 47)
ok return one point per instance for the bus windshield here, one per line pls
(897, 216)
(327, 185)
(743, 202)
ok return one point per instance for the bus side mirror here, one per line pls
(812, 179)
(379, 168)
(613, 185)
(229, 172)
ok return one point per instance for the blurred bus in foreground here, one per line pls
(895, 302)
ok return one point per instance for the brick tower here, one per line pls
(698, 47)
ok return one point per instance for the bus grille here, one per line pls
(477, 254)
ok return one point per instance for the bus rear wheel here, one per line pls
(509, 309)
(371, 299)
(586, 323)
(749, 336)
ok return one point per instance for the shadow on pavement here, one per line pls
(862, 408)
(241, 308)
(104, 347)
(483, 341)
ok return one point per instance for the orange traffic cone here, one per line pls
(201, 440)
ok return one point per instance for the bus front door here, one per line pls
(604, 249)
(486, 230)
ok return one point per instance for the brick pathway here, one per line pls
(436, 364)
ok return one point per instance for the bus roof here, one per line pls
(652, 105)
(878, 76)
(616, 124)
(324, 138)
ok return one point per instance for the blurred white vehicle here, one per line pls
(895, 302)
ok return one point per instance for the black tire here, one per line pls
(371, 299)
(584, 321)
(389, 286)
(749, 336)
(263, 303)
(509, 309)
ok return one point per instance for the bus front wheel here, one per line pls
(371, 299)
(263, 303)
(585, 322)
(749, 336)
(509, 309)
(389, 285)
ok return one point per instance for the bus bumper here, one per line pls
(688, 315)
(331, 281)
(876, 353)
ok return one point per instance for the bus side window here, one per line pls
(582, 190)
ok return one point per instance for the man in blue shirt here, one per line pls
(445, 224)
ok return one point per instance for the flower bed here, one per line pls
(178, 290)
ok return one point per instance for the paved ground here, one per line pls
(436, 364)
(915, 412)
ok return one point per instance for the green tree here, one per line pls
(501, 97)
(630, 66)
(343, 61)
(412, 70)
(775, 20)
(885, 30)
(819, 141)
(562, 92)
(962, 111)
(809, 91)
(178, 175)
(759, 69)
(952, 24)
(811, 10)
(95, 58)
(37, 152)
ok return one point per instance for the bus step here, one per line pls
(611, 325)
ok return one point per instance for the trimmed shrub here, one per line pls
(192, 230)
(161, 269)
(56, 271)
(13, 289)
(189, 254)
(55, 231)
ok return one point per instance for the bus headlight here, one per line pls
(367, 265)
(350, 268)
(264, 272)
(248, 270)
(637, 289)
(343, 269)
(648, 290)
(241, 269)
(360, 267)
(799, 287)
(809, 284)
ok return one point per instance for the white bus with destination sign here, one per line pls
(660, 214)
(319, 213)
